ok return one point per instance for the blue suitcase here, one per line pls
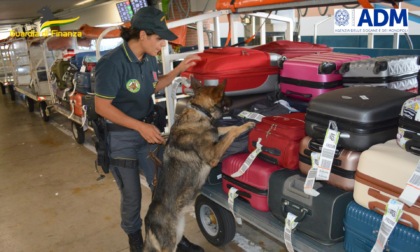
(362, 226)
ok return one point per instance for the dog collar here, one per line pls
(201, 109)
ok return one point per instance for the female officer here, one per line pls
(126, 78)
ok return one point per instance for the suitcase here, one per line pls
(291, 49)
(82, 81)
(253, 184)
(246, 71)
(308, 76)
(362, 227)
(321, 217)
(280, 138)
(343, 168)
(364, 115)
(408, 136)
(397, 72)
(382, 173)
(76, 99)
(63, 72)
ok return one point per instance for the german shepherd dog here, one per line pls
(193, 147)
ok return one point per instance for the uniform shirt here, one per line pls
(127, 81)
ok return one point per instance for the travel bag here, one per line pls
(291, 49)
(77, 107)
(308, 76)
(343, 167)
(63, 71)
(246, 71)
(382, 174)
(253, 184)
(364, 115)
(362, 227)
(83, 82)
(280, 137)
(408, 136)
(397, 72)
(321, 217)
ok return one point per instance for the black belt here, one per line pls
(126, 163)
(116, 127)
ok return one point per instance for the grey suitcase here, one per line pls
(396, 72)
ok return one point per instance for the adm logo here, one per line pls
(48, 20)
(383, 17)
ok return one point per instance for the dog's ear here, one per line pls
(219, 91)
(195, 84)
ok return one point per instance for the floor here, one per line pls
(51, 199)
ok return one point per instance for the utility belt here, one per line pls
(116, 127)
(157, 117)
(126, 163)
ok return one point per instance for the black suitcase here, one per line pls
(364, 115)
(321, 217)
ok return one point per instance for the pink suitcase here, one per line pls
(253, 184)
(308, 76)
(382, 174)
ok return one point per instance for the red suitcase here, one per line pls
(308, 76)
(280, 138)
(246, 71)
(253, 184)
(291, 49)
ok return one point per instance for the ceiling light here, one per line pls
(84, 2)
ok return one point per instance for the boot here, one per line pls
(136, 241)
(186, 246)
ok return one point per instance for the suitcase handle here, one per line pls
(302, 212)
(377, 195)
(272, 151)
(413, 147)
(307, 96)
(324, 130)
(405, 219)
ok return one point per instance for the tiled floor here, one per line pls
(51, 200)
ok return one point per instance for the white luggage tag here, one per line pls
(308, 187)
(251, 115)
(249, 160)
(328, 151)
(231, 200)
(288, 229)
(390, 219)
(412, 190)
(84, 118)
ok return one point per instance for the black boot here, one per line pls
(186, 246)
(136, 241)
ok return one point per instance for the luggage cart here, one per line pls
(6, 70)
(29, 63)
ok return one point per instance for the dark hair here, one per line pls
(132, 33)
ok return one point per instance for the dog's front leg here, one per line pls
(230, 133)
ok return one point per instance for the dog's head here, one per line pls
(209, 98)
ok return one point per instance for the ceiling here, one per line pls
(25, 11)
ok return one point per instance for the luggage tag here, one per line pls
(83, 69)
(390, 219)
(72, 109)
(84, 118)
(231, 200)
(412, 190)
(308, 187)
(288, 229)
(327, 152)
(249, 160)
(251, 115)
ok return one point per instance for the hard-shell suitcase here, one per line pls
(308, 76)
(362, 227)
(280, 138)
(319, 217)
(397, 72)
(291, 49)
(382, 173)
(343, 167)
(253, 184)
(364, 115)
(246, 71)
(408, 136)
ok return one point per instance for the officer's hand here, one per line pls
(151, 134)
(190, 60)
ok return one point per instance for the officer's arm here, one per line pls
(167, 79)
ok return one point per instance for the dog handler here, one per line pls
(126, 78)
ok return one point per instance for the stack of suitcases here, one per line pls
(374, 156)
